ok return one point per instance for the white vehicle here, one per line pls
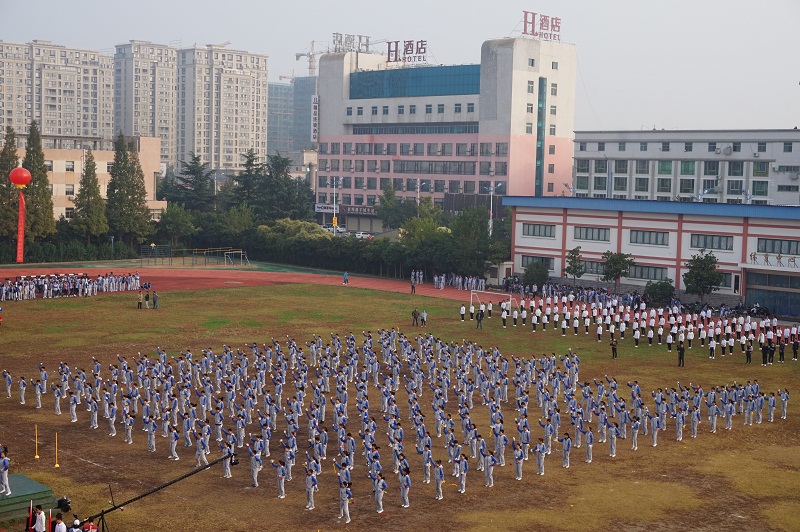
(363, 235)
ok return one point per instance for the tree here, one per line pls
(39, 219)
(196, 184)
(574, 267)
(391, 211)
(89, 219)
(176, 223)
(9, 198)
(470, 234)
(126, 209)
(167, 188)
(278, 195)
(616, 266)
(659, 293)
(536, 273)
(703, 277)
(249, 178)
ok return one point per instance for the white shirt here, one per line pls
(61, 527)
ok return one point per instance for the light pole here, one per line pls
(492, 187)
(112, 247)
(335, 210)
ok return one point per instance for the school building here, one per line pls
(756, 246)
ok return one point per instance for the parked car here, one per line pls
(363, 235)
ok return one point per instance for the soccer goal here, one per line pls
(476, 297)
(236, 256)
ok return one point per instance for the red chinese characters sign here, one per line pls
(540, 26)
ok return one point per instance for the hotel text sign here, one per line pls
(412, 52)
(542, 27)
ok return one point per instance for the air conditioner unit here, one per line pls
(755, 154)
(71, 198)
(774, 167)
(718, 151)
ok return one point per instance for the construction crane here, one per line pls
(290, 78)
(312, 60)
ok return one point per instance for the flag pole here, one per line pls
(57, 451)
(36, 439)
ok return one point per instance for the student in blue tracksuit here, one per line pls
(589, 442)
(280, 471)
(405, 486)
(463, 468)
(311, 487)
(566, 447)
(519, 458)
(489, 461)
(345, 496)
(694, 420)
(438, 476)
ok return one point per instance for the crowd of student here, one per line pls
(345, 393)
(66, 285)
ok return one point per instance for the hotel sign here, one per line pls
(314, 118)
(542, 27)
(358, 210)
(412, 52)
(350, 43)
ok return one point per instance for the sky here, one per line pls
(671, 64)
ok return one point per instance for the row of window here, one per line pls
(412, 109)
(661, 238)
(712, 147)
(688, 168)
(69, 166)
(769, 279)
(734, 187)
(776, 245)
(410, 185)
(462, 149)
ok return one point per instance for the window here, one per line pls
(593, 267)
(737, 146)
(529, 108)
(761, 169)
(736, 168)
(787, 147)
(652, 273)
(540, 230)
(642, 167)
(385, 110)
(665, 146)
(385, 183)
(582, 182)
(642, 146)
(642, 184)
(735, 187)
(461, 149)
(529, 128)
(687, 167)
(531, 62)
(620, 183)
(720, 242)
(322, 197)
(650, 238)
(401, 109)
(555, 65)
(440, 108)
(600, 166)
(411, 185)
(788, 188)
(69, 166)
(551, 149)
(664, 167)
(664, 185)
(454, 187)
(687, 186)
(48, 166)
(601, 146)
(433, 149)
(419, 148)
(622, 146)
(621, 166)
(762, 147)
(711, 168)
(438, 185)
(600, 182)
(760, 188)
(457, 108)
(531, 86)
(582, 166)
(405, 148)
(582, 147)
(360, 111)
(469, 187)
(349, 111)
(109, 167)
(447, 149)
(529, 259)
(360, 165)
(774, 245)
(372, 183)
(428, 109)
(602, 234)
(550, 187)
(688, 146)
(412, 109)
(553, 89)
(347, 199)
(336, 148)
(470, 107)
(712, 147)
(69, 212)
(501, 149)
(552, 109)
(374, 110)
(485, 168)
(551, 169)
(552, 129)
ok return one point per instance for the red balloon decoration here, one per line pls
(20, 177)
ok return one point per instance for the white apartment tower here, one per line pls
(222, 105)
(68, 91)
(145, 94)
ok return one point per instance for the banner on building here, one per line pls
(314, 118)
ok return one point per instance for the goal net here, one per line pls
(476, 297)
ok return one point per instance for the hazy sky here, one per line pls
(688, 64)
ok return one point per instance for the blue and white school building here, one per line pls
(757, 246)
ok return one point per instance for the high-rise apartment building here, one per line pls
(145, 94)
(305, 88)
(68, 91)
(280, 119)
(222, 105)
